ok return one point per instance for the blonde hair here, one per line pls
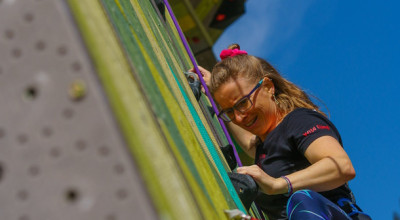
(288, 95)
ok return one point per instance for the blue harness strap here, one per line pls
(350, 208)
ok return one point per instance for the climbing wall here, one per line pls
(97, 120)
(61, 152)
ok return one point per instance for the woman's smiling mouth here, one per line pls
(251, 122)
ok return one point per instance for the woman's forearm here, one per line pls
(330, 167)
(246, 140)
(324, 175)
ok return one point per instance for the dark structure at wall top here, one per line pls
(203, 21)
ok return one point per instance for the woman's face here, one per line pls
(261, 118)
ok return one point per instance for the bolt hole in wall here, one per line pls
(122, 194)
(104, 151)
(76, 66)
(9, 34)
(24, 217)
(68, 113)
(16, 53)
(72, 195)
(80, 145)
(22, 195)
(31, 93)
(40, 45)
(111, 217)
(2, 133)
(22, 138)
(47, 132)
(62, 50)
(119, 169)
(1, 172)
(55, 152)
(33, 171)
(29, 17)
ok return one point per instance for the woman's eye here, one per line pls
(229, 112)
(242, 104)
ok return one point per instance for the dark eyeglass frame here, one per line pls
(223, 114)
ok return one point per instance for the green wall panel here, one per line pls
(140, 61)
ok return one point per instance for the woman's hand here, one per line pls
(267, 184)
(205, 74)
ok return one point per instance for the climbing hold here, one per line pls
(194, 83)
(236, 214)
(77, 90)
(211, 110)
(161, 8)
(229, 155)
(245, 186)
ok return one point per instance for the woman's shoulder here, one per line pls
(300, 120)
(304, 118)
(306, 125)
(303, 114)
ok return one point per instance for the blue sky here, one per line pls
(347, 53)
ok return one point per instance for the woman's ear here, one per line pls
(269, 85)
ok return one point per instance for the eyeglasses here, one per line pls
(242, 106)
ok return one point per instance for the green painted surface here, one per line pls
(125, 95)
(140, 62)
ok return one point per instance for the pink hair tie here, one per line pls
(231, 53)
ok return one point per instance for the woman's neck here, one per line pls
(278, 119)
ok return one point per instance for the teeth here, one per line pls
(252, 122)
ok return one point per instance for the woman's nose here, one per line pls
(239, 116)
